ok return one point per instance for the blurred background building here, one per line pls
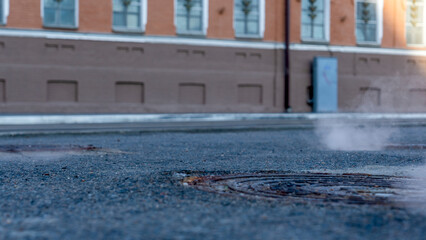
(136, 56)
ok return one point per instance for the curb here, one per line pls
(23, 125)
(11, 120)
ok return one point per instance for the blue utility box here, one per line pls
(325, 84)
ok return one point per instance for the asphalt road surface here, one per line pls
(130, 186)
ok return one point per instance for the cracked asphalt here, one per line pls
(131, 188)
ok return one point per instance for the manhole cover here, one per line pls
(45, 148)
(347, 188)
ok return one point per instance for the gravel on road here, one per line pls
(130, 187)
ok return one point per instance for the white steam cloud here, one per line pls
(339, 134)
(413, 196)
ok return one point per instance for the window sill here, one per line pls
(249, 37)
(60, 27)
(128, 30)
(416, 45)
(368, 44)
(315, 41)
(191, 34)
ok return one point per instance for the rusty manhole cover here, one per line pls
(347, 188)
(45, 148)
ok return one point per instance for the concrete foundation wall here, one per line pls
(51, 76)
(39, 75)
(367, 82)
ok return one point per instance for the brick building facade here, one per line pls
(107, 56)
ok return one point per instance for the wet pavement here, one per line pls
(135, 185)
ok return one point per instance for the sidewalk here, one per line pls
(108, 123)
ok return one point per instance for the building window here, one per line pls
(60, 13)
(191, 16)
(315, 20)
(1, 12)
(4, 11)
(249, 18)
(415, 22)
(129, 15)
(369, 21)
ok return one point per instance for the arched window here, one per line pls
(60, 13)
(4, 11)
(369, 21)
(1, 12)
(415, 22)
(249, 18)
(191, 16)
(129, 15)
(315, 20)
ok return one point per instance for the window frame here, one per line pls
(5, 12)
(76, 17)
(143, 19)
(379, 23)
(326, 25)
(261, 23)
(424, 26)
(205, 20)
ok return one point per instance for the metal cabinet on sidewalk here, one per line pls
(325, 84)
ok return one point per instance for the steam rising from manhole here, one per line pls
(346, 188)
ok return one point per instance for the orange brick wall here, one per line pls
(274, 19)
(394, 24)
(389, 22)
(295, 18)
(160, 18)
(221, 19)
(96, 16)
(400, 8)
(24, 14)
(342, 22)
